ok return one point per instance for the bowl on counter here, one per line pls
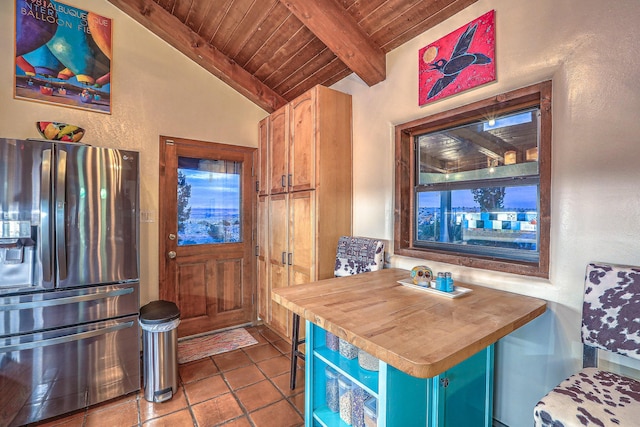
(57, 131)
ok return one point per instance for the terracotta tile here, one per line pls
(258, 395)
(197, 370)
(217, 410)
(240, 422)
(180, 418)
(205, 389)
(243, 377)
(231, 360)
(282, 382)
(261, 352)
(73, 420)
(119, 414)
(298, 402)
(270, 335)
(275, 366)
(280, 414)
(283, 346)
(149, 410)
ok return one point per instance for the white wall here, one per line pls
(155, 91)
(589, 50)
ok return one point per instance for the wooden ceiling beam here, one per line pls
(173, 31)
(332, 24)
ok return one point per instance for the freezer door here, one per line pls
(24, 313)
(54, 372)
(97, 215)
(25, 204)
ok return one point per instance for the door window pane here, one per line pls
(208, 201)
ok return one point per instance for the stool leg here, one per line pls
(294, 350)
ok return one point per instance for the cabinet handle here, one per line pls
(290, 180)
(284, 258)
(283, 181)
(290, 258)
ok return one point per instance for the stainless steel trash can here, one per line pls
(159, 321)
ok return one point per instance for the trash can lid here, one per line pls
(159, 312)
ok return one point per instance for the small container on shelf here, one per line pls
(367, 361)
(359, 396)
(348, 350)
(371, 412)
(332, 341)
(346, 398)
(332, 391)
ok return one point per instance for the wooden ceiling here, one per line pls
(271, 51)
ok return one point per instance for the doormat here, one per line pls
(208, 345)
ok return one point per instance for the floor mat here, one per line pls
(208, 345)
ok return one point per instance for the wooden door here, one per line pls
(207, 222)
(302, 143)
(279, 150)
(278, 254)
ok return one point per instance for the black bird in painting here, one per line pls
(460, 60)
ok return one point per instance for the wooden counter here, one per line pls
(414, 331)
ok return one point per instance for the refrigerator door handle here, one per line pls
(64, 339)
(61, 244)
(45, 218)
(66, 300)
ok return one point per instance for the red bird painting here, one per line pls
(459, 61)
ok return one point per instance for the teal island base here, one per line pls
(341, 393)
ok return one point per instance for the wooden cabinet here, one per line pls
(308, 205)
(262, 184)
(461, 396)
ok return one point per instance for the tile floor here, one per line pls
(248, 387)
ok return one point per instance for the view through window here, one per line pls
(208, 201)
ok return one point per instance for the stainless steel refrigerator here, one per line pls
(69, 281)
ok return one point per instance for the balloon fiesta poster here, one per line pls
(458, 61)
(62, 55)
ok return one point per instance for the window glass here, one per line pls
(477, 187)
(208, 201)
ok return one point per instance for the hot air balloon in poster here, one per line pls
(63, 55)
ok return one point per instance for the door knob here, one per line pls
(172, 236)
(171, 254)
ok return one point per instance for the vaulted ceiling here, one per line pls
(271, 51)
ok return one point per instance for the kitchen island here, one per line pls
(435, 352)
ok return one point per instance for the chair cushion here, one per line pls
(591, 397)
(611, 308)
(357, 255)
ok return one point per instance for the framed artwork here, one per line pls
(458, 61)
(62, 55)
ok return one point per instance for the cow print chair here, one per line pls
(354, 255)
(611, 322)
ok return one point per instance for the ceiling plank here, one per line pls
(170, 29)
(328, 20)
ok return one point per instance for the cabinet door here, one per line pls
(301, 237)
(278, 254)
(263, 157)
(302, 144)
(279, 150)
(264, 290)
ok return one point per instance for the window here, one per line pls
(473, 184)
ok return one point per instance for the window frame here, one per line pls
(405, 178)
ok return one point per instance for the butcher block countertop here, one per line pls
(415, 331)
